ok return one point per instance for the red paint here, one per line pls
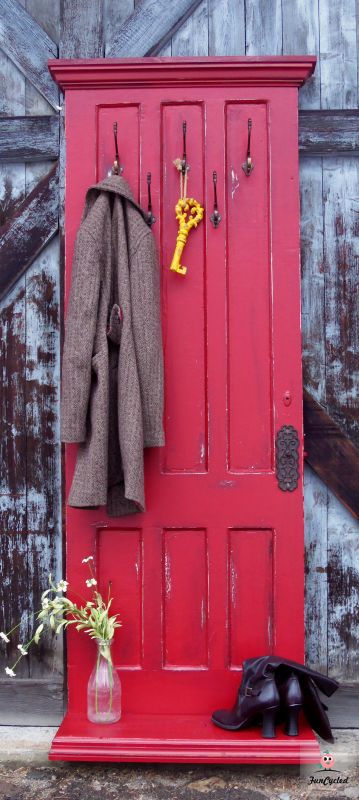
(213, 572)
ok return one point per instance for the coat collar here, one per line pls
(117, 185)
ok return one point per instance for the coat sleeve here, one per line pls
(80, 327)
(146, 325)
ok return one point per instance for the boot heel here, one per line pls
(268, 726)
(292, 721)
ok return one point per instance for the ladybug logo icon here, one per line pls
(327, 760)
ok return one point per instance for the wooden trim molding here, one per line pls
(331, 454)
(196, 71)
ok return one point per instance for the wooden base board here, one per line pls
(169, 738)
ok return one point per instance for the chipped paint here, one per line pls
(234, 182)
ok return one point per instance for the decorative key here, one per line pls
(195, 216)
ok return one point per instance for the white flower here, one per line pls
(46, 602)
(91, 582)
(62, 586)
(22, 650)
(10, 672)
(86, 560)
(4, 637)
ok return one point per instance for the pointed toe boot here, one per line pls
(259, 701)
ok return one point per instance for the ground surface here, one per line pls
(25, 774)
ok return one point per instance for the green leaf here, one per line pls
(38, 633)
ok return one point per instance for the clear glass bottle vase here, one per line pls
(104, 687)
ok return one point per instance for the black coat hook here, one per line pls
(215, 217)
(150, 218)
(248, 165)
(116, 169)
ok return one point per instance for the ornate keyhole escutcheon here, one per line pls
(287, 458)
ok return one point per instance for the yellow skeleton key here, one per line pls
(196, 215)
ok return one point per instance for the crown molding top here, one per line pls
(98, 73)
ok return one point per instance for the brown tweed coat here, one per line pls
(112, 374)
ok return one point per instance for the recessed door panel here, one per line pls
(184, 298)
(251, 594)
(249, 356)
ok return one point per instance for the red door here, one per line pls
(213, 572)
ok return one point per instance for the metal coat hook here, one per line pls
(215, 217)
(150, 218)
(184, 157)
(116, 169)
(248, 165)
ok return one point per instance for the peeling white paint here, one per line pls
(235, 182)
(168, 584)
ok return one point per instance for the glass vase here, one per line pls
(104, 687)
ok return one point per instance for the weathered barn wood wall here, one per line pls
(31, 489)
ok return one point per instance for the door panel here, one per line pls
(249, 350)
(212, 572)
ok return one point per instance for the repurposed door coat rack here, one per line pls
(213, 572)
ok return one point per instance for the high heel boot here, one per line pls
(260, 699)
(291, 700)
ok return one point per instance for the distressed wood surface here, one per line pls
(36, 138)
(29, 138)
(338, 54)
(38, 701)
(264, 29)
(18, 30)
(226, 27)
(343, 592)
(192, 37)
(300, 19)
(316, 590)
(149, 27)
(28, 230)
(341, 259)
(332, 133)
(331, 454)
(235, 26)
(82, 29)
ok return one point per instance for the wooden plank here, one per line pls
(14, 585)
(343, 706)
(29, 138)
(29, 230)
(226, 28)
(301, 35)
(316, 590)
(17, 30)
(48, 18)
(43, 450)
(151, 25)
(192, 38)
(36, 138)
(343, 592)
(338, 54)
(115, 14)
(313, 333)
(31, 702)
(341, 254)
(331, 133)
(264, 34)
(47, 15)
(81, 29)
(331, 454)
